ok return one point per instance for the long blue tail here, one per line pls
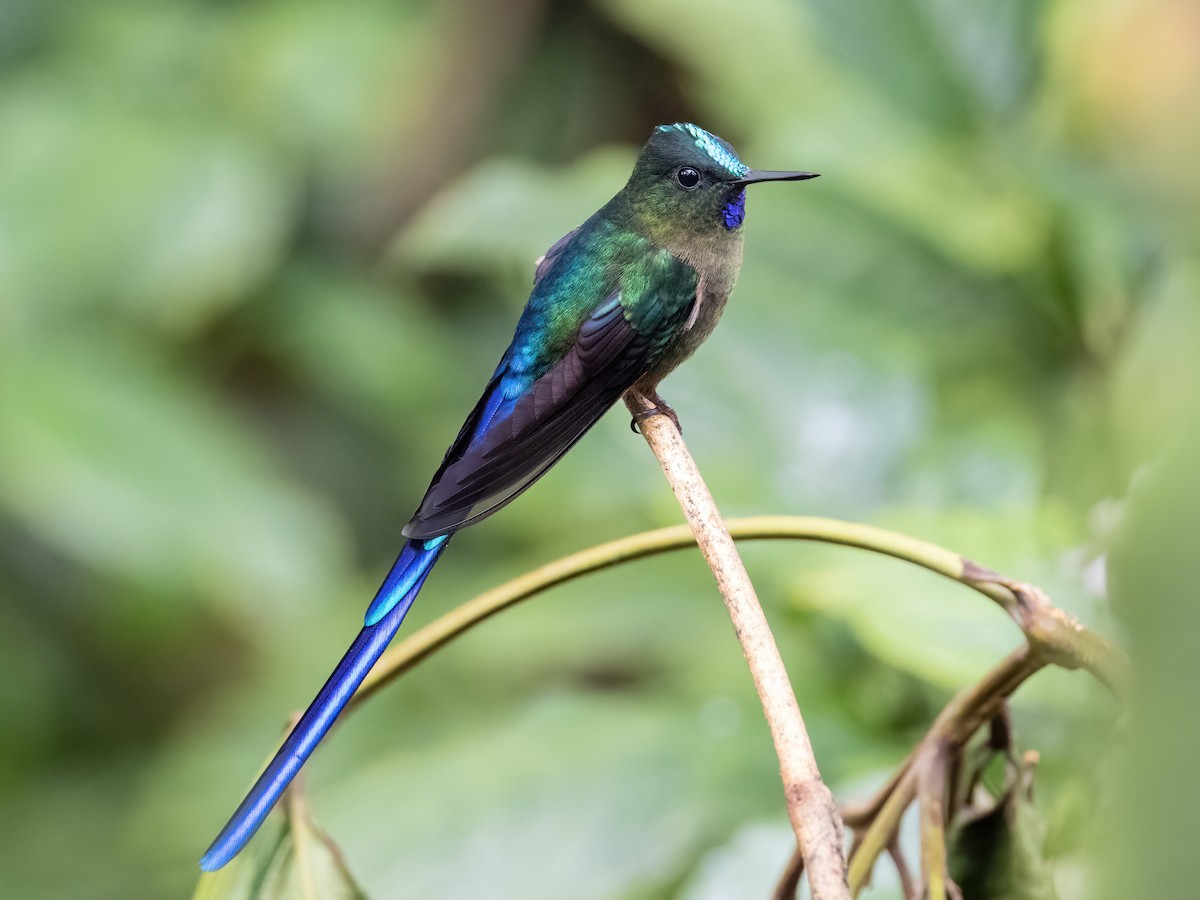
(383, 619)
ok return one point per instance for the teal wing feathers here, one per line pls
(547, 391)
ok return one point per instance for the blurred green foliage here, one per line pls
(256, 260)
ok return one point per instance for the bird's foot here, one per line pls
(658, 407)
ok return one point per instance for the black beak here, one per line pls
(756, 175)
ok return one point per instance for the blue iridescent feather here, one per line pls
(614, 305)
(714, 148)
(408, 574)
(734, 212)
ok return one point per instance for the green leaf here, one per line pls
(931, 626)
(998, 854)
(508, 213)
(181, 223)
(894, 48)
(748, 865)
(1148, 846)
(362, 347)
(116, 458)
(580, 797)
(298, 861)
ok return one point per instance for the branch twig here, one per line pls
(810, 804)
(1054, 635)
(420, 644)
(931, 795)
(789, 881)
(907, 886)
(876, 823)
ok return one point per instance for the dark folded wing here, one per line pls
(550, 257)
(507, 443)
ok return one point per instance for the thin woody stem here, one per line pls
(957, 722)
(810, 804)
(789, 881)
(1052, 636)
(420, 644)
(907, 886)
(931, 796)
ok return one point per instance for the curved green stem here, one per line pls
(421, 644)
(1052, 635)
(1093, 652)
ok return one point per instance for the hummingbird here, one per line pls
(616, 305)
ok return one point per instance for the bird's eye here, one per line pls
(687, 177)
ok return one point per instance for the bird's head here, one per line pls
(686, 178)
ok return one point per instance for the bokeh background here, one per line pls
(256, 261)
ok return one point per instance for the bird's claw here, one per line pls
(660, 408)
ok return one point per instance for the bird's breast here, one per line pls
(712, 293)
